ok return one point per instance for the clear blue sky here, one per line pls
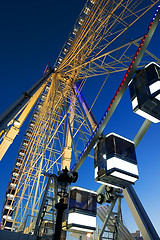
(32, 34)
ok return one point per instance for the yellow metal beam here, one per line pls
(67, 151)
(17, 123)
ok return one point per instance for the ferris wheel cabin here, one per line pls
(115, 161)
(145, 92)
(82, 210)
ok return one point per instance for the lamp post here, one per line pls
(64, 180)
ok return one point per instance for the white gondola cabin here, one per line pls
(82, 210)
(145, 92)
(115, 161)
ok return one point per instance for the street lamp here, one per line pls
(64, 180)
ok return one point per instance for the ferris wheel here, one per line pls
(63, 129)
